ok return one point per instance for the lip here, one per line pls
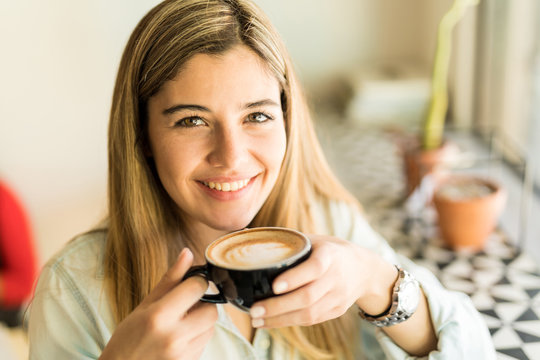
(226, 195)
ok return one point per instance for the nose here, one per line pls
(229, 148)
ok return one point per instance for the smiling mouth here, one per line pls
(227, 186)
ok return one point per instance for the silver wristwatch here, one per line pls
(405, 299)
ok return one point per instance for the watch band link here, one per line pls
(395, 314)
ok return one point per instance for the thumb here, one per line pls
(172, 277)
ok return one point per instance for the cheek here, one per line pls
(275, 143)
(280, 146)
(172, 163)
(280, 154)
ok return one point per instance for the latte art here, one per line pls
(258, 252)
(257, 249)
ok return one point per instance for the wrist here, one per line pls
(405, 299)
(377, 296)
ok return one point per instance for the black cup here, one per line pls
(241, 284)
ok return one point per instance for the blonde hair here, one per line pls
(144, 228)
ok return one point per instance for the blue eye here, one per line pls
(259, 117)
(192, 121)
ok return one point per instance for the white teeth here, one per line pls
(232, 186)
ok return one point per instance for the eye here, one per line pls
(259, 117)
(192, 121)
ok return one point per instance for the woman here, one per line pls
(208, 134)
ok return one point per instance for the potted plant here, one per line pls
(424, 154)
(468, 208)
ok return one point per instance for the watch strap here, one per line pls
(394, 314)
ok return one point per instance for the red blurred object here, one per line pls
(18, 262)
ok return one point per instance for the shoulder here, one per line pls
(336, 217)
(76, 271)
(84, 253)
(70, 309)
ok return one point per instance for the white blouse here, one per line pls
(70, 315)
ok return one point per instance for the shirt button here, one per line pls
(264, 344)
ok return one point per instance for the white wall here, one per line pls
(58, 62)
(329, 36)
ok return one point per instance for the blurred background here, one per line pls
(363, 62)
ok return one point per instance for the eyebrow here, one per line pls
(264, 102)
(180, 107)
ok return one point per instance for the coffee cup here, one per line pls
(243, 264)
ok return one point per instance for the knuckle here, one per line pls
(168, 278)
(319, 264)
(310, 316)
(154, 320)
(340, 310)
(310, 296)
(170, 344)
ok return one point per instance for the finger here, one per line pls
(200, 318)
(202, 339)
(308, 271)
(185, 343)
(183, 296)
(322, 311)
(196, 345)
(298, 299)
(172, 277)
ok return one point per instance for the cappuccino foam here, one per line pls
(257, 249)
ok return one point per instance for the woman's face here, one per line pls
(217, 136)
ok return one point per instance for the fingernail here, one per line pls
(257, 323)
(257, 311)
(181, 255)
(185, 251)
(280, 287)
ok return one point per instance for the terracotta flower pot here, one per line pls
(418, 163)
(468, 208)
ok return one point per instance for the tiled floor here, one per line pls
(503, 280)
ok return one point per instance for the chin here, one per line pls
(231, 225)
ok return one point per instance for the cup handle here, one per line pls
(202, 270)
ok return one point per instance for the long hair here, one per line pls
(143, 226)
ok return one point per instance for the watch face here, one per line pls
(408, 297)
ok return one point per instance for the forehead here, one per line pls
(238, 71)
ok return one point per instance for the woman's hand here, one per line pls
(335, 276)
(170, 323)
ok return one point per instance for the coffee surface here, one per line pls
(256, 249)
